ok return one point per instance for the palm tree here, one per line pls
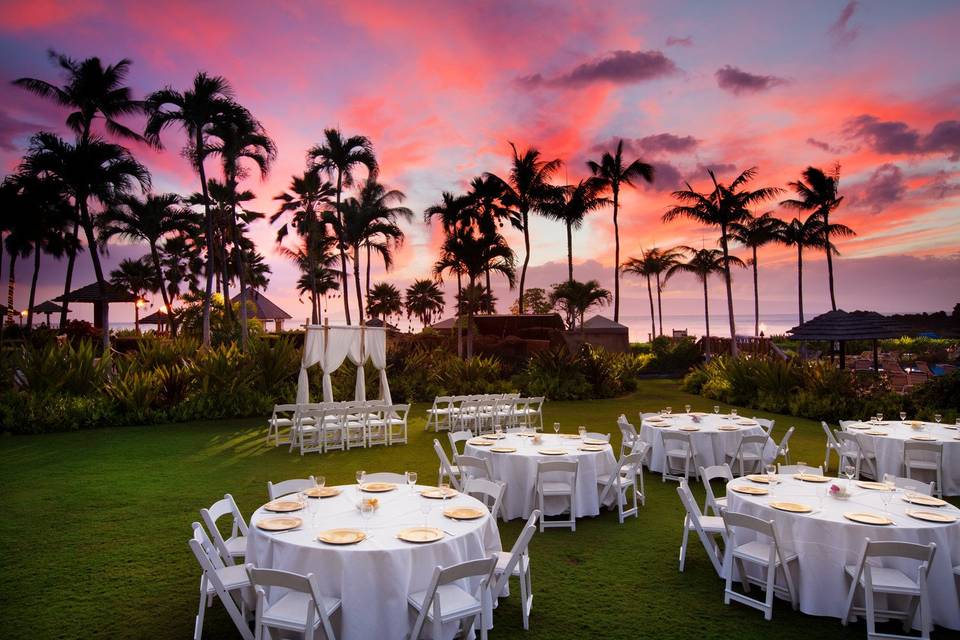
(645, 267)
(340, 156)
(722, 207)
(703, 263)
(802, 234)
(195, 110)
(572, 205)
(453, 211)
(384, 301)
(819, 196)
(93, 169)
(381, 204)
(423, 299)
(753, 233)
(576, 298)
(304, 201)
(90, 90)
(526, 189)
(138, 277)
(318, 275)
(149, 220)
(662, 260)
(613, 172)
(485, 208)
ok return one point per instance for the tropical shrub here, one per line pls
(554, 374)
(63, 368)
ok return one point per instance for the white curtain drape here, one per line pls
(330, 346)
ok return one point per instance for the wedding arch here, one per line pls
(328, 346)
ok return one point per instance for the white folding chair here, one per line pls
(282, 418)
(396, 418)
(926, 457)
(517, 563)
(445, 601)
(235, 546)
(286, 487)
(353, 420)
(643, 449)
(455, 438)
(707, 528)
(833, 446)
(308, 428)
(872, 578)
(909, 484)
(488, 492)
(792, 469)
(376, 425)
(386, 476)
(716, 472)
(764, 552)
(534, 413)
(677, 447)
(783, 449)
(301, 609)
(439, 414)
(229, 583)
(621, 483)
(473, 467)
(447, 471)
(467, 415)
(628, 435)
(766, 425)
(748, 456)
(548, 485)
(852, 454)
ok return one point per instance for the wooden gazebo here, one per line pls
(47, 308)
(841, 326)
(90, 294)
(158, 318)
(265, 309)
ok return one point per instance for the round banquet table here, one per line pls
(374, 577)
(519, 471)
(710, 444)
(889, 449)
(826, 541)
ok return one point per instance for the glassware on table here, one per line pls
(498, 430)
(903, 416)
(771, 470)
(319, 481)
(937, 417)
(880, 417)
(361, 475)
(686, 408)
(716, 408)
(411, 479)
(366, 512)
(556, 427)
(803, 467)
(733, 413)
(582, 430)
(669, 410)
(849, 471)
(425, 508)
(444, 489)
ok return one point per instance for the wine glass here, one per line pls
(556, 427)
(366, 512)
(733, 413)
(425, 508)
(498, 430)
(849, 471)
(716, 409)
(937, 417)
(669, 410)
(582, 430)
(411, 479)
(319, 481)
(771, 470)
(880, 417)
(903, 416)
(686, 408)
(803, 468)
(444, 490)
(361, 475)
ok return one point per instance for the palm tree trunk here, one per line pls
(208, 221)
(706, 315)
(756, 296)
(356, 278)
(727, 280)
(33, 285)
(225, 276)
(826, 232)
(155, 256)
(312, 265)
(98, 271)
(616, 254)
(653, 317)
(569, 252)
(659, 304)
(487, 275)
(368, 271)
(343, 252)
(459, 327)
(800, 280)
(71, 258)
(526, 258)
(470, 325)
(11, 286)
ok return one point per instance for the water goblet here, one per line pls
(361, 475)
(556, 427)
(803, 467)
(411, 479)
(582, 430)
(716, 409)
(669, 410)
(498, 430)
(849, 471)
(733, 413)
(444, 490)
(319, 481)
(771, 470)
(903, 416)
(425, 508)
(880, 417)
(366, 512)
(937, 417)
(686, 408)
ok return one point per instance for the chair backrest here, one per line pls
(490, 493)
(206, 553)
(224, 507)
(386, 476)
(286, 487)
(598, 436)
(482, 569)
(561, 466)
(306, 584)
(912, 446)
(456, 437)
(715, 472)
(753, 443)
(445, 465)
(642, 448)
(680, 438)
(907, 550)
(398, 411)
(626, 429)
(785, 443)
(517, 552)
(788, 469)
(831, 438)
(688, 502)
(629, 466)
(284, 408)
(474, 467)
(763, 527)
(926, 488)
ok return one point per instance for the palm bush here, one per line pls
(274, 364)
(555, 374)
(137, 393)
(63, 368)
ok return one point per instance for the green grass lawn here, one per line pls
(94, 533)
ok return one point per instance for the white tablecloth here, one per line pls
(709, 445)
(519, 471)
(373, 578)
(826, 541)
(889, 449)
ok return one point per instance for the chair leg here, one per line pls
(523, 599)
(198, 623)
(771, 584)
(683, 544)
(871, 616)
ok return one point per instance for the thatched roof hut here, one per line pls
(841, 326)
(91, 294)
(266, 309)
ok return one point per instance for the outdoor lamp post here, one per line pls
(23, 314)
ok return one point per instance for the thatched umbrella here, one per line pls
(91, 294)
(841, 326)
(47, 308)
(265, 309)
(158, 318)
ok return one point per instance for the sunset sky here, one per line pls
(441, 87)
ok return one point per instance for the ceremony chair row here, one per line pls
(483, 413)
(337, 426)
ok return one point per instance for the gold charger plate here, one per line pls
(859, 427)
(420, 534)
(283, 506)
(341, 536)
(552, 452)
(748, 422)
(874, 432)
(873, 486)
(699, 414)
(493, 436)
(659, 425)
(868, 518)
(377, 487)
(923, 438)
(749, 490)
(321, 492)
(689, 428)
(480, 443)
(570, 436)
(503, 449)
(926, 501)
(464, 513)
(280, 523)
(728, 427)
(437, 494)
(931, 516)
(810, 477)
(758, 477)
(598, 443)
(792, 507)
(590, 447)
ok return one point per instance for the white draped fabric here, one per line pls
(330, 346)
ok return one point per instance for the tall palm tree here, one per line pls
(753, 233)
(802, 234)
(138, 277)
(485, 208)
(721, 207)
(96, 170)
(453, 211)
(526, 189)
(576, 298)
(571, 206)
(644, 267)
(613, 172)
(423, 299)
(704, 263)
(318, 275)
(90, 91)
(149, 220)
(208, 101)
(383, 301)
(381, 204)
(663, 259)
(819, 196)
(339, 156)
(307, 197)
